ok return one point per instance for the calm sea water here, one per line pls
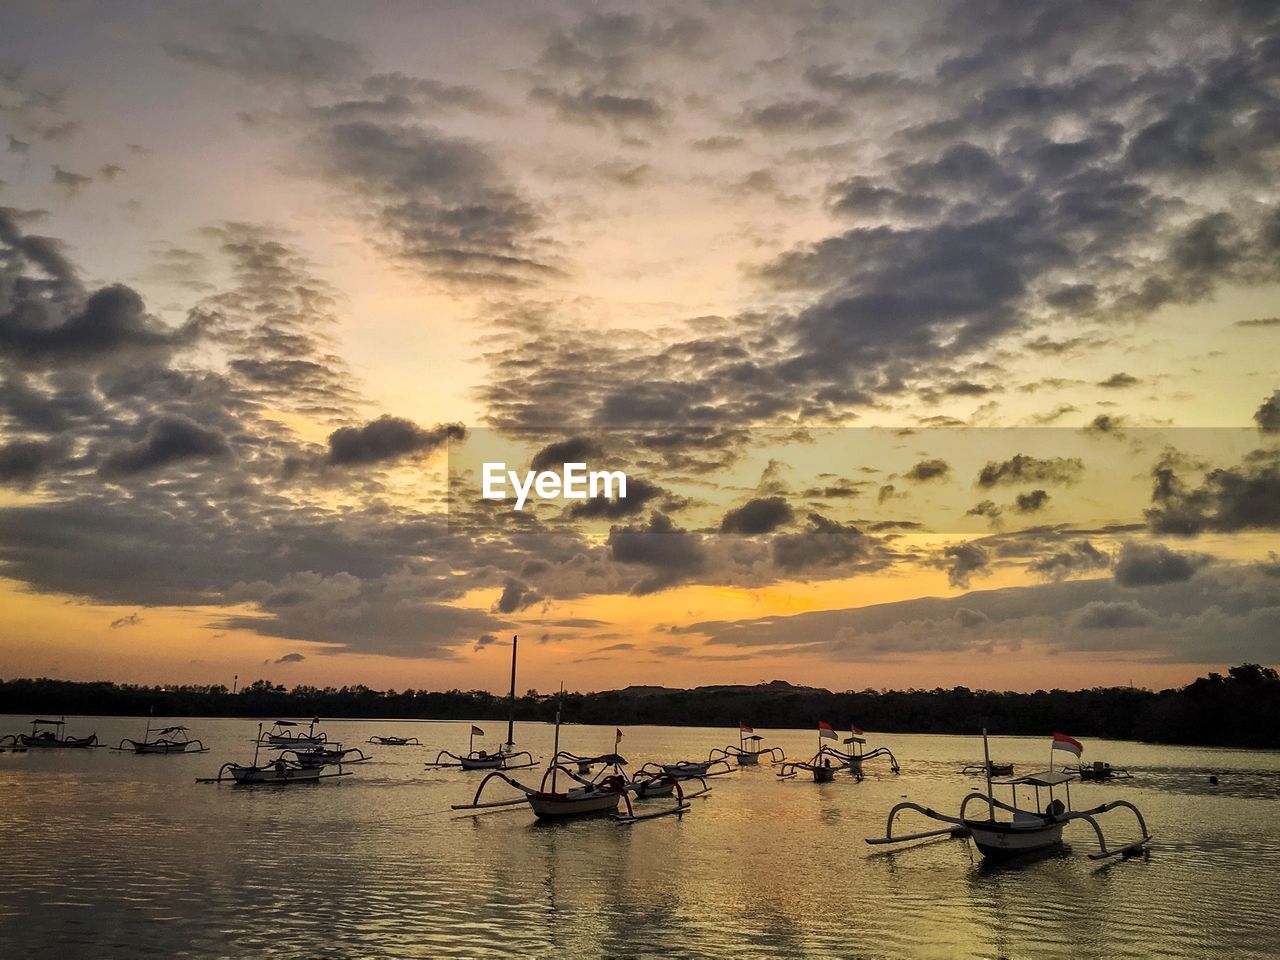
(117, 855)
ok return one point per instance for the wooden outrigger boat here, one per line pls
(281, 771)
(1099, 771)
(748, 750)
(168, 740)
(282, 734)
(507, 757)
(1026, 831)
(13, 742)
(590, 796)
(988, 769)
(688, 769)
(334, 753)
(50, 734)
(395, 741)
(824, 764)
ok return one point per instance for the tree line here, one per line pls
(1238, 709)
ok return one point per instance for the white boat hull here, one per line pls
(1005, 840)
(555, 806)
(489, 763)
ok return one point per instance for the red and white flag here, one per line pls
(825, 730)
(476, 731)
(744, 728)
(617, 735)
(1062, 742)
(857, 730)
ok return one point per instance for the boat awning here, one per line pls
(855, 740)
(754, 736)
(48, 723)
(1046, 778)
(288, 723)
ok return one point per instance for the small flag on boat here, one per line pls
(1062, 742)
(744, 728)
(617, 735)
(857, 730)
(476, 731)
(825, 730)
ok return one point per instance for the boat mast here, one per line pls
(511, 711)
(986, 756)
(555, 752)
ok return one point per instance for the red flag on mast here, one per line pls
(826, 730)
(1062, 742)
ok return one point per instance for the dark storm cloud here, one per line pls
(1021, 468)
(928, 470)
(789, 116)
(757, 516)
(1243, 497)
(270, 57)
(1148, 564)
(73, 183)
(388, 438)
(167, 440)
(595, 107)
(289, 658)
(640, 494)
(1259, 322)
(672, 554)
(24, 462)
(443, 203)
(827, 544)
(1072, 560)
(516, 596)
(1112, 615)
(1031, 502)
(986, 508)
(964, 561)
(1267, 416)
(574, 450)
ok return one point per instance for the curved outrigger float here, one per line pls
(168, 740)
(395, 741)
(824, 764)
(1026, 831)
(51, 734)
(748, 750)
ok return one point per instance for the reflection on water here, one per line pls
(120, 855)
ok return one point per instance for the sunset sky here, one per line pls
(940, 343)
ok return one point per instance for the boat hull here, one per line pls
(824, 774)
(256, 775)
(70, 743)
(489, 763)
(160, 747)
(748, 759)
(683, 771)
(559, 806)
(1001, 841)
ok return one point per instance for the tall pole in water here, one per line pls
(511, 713)
(986, 756)
(555, 750)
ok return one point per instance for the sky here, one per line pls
(938, 342)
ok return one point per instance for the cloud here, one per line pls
(24, 462)
(442, 202)
(826, 544)
(131, 620)
(595, 107)
(574, 450)
(290, 658)
(640, 494)
(928, 470)
(1026, 469)
(1267, 416)
(72, 183)
(964, 561)
(785, 116)
(168, 440)
(1148, 564)
(671, 554)
(1243, 497)
(271, 57)
(1112, 615)
(1080, 557)
(516, 596)
(386, 439)
(1031, 502)
(1259, 322)
(1119, 381)
(756, 516)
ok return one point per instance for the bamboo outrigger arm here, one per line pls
(957, 828)
(681, 804)
(475, 803)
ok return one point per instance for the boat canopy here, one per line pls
(754, 736)
(1046, 778)
(48, 723)
(288, 723)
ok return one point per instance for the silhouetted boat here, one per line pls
(168, 740)
(1099, 771)
(395, 741)
(283, 770)
(283, 733)
(49, 734)
(824, 764)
